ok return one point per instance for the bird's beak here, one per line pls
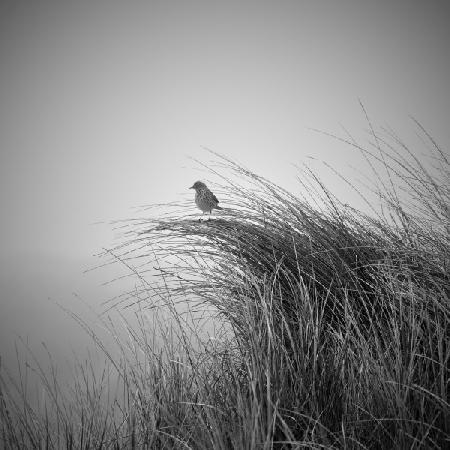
(192, 187)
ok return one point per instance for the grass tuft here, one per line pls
(333, 325)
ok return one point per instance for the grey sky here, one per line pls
(101, 101)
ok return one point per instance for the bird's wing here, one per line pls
(215, 198)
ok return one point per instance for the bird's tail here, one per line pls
(218, 207)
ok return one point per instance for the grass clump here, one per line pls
(334, 323)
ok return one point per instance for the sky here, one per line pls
(102, 103)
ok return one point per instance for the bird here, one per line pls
(204, 198)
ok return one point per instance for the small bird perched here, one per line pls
(204, 198)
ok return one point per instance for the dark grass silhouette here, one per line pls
(336, 322)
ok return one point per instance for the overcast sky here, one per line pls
(101, 102)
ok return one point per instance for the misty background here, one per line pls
(103, 102)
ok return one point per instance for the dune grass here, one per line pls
(333, 324)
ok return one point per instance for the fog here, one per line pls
(102, 104)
